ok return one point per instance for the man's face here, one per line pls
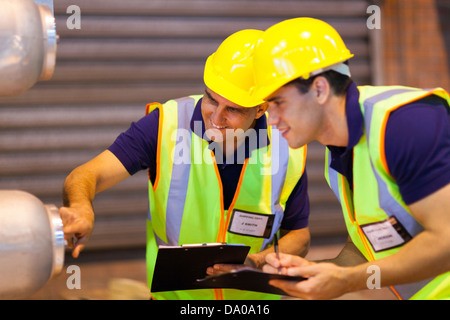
(223, 117)
(295, 114)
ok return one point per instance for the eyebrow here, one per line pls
(210, 96)
(272, 99)
(228, 106)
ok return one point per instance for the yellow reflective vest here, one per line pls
(375, 201)
(185, 200)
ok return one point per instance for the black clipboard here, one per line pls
(247, 279)
(179, 268)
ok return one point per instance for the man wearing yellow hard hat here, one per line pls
(210, 157)
(387, 161)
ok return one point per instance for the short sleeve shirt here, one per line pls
(417, 145)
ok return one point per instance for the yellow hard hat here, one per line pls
(229, 70)
(294, 48)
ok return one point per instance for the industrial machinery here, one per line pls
(31, 236)
(31, 244)
(27, 44)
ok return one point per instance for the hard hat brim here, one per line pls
(229, 91)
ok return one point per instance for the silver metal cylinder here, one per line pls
(27, 45)
(31, 244)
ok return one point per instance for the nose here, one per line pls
(218, 116)
(273, 118)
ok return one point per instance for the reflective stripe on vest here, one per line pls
(176, 216)
(370, 149)
(180, 174)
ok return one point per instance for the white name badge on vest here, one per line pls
(251, 224)
(386, 234)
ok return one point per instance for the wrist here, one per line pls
(81, 205)
(255, 260)
(355, 278)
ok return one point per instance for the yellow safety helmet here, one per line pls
(294, 48)
(229, 70)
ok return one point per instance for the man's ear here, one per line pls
(262, 108)
(322, 89)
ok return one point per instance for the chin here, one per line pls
(295, 144)
(214, 135)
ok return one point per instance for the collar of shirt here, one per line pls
(341, 157)
(245, 150)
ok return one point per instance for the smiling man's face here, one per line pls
(222, 117)
(295, 115)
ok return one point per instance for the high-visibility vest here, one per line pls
(186, 198)
(375, 197)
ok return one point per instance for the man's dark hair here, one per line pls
(338, 82)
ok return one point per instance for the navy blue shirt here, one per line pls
(136, 149)
(417, 145)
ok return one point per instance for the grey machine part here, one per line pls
(28, 42)
(31, 244)
(31, 235)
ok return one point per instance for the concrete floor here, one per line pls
(121, 274)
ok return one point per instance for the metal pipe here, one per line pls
(31, 244)
(31, 236)
(27, 45)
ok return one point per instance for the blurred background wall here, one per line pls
(416, 42)
(129, 53)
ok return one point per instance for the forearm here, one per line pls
(85, 181)
(424, 257)
(77, 214)
(79, 188)
(294, 242)
(428, 253)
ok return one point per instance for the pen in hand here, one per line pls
(277, 251)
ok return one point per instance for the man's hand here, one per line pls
(78, 223)
(324, 280)
(222, 268)
(292, 241)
